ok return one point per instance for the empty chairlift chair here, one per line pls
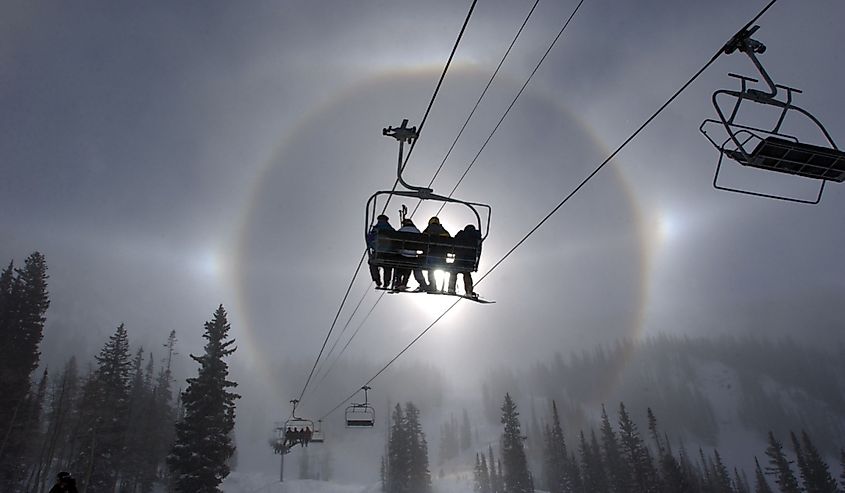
(361, 415)
(769, 149)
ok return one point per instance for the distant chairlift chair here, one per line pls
(361, 415)
(770, 149)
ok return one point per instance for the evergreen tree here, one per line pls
(398, 460)
(136, 434)
(419, 475)
(815, 473)
(104, 413)
(383, 474)
(62, 419)
(635, 453)
(760, 483)
(34, 431)
(671, 473)
(450, 444)
(721, 476)
(779, 466)
(740, 482)
(617, 469)
(556, 457)
(407, 461)
(23, 302)
(162, 419)
(478, 484)
(486, 485)
(516, 475)
(199, 458)
(594, 478)
(842, 467)
(496, 485)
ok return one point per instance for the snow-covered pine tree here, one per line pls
(515, 475)
(199, 457)
(779, 466)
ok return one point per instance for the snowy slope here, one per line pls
(259, 483)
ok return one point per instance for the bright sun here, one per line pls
(433, 304)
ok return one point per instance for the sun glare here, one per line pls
(432, 305)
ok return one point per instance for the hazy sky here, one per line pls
(170, 157)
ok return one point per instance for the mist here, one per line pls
(168, 159)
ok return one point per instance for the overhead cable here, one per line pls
(556, 208)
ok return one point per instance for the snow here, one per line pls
(262, 483)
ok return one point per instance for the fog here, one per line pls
(168, 158)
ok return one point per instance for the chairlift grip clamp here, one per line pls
(401, 133)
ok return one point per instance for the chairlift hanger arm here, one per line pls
(742, 41)
(404, 134)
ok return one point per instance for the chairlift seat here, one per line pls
(360, 423)
(360, 416)
(796, 158)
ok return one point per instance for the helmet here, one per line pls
(434, 220)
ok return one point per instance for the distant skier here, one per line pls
(65, 483)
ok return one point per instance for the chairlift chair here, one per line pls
(361, 415)
(405, 250)
(769, 149)
(295, 424)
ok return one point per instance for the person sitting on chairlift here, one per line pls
(400, 282)
(467, 240)
(382, 224)
(438, 253)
